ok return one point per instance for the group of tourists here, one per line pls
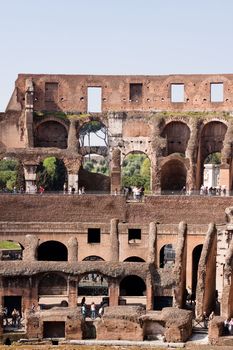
(14, 316)
(92, 310)
(135, 192)
(228, 326)
(213, 191)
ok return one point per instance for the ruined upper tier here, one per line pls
(127, 93)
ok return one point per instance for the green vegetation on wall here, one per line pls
(51, 174)
(136, 171)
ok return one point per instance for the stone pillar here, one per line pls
(157, 145)
(224, 177)
(114, 292)
(191, 154)
(29, 105)
(152, 258)
(30, 176)
(73, 143)
(114, 240)
(116, 171)
(72, 249)
(72, 292)
(30, 249)
(149, 293)
(73, 166)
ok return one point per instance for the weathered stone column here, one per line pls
(179, 270)
(149, 293)
(29, 105)
(30, 176)
(114, 240)
(116, 171)
(72, 292)
(152, 252)
(72, 249)
(157, 145)
(30, 249)
(73, 142)
(73, 166)
(191, 154)
(114, 292)
(206, 281)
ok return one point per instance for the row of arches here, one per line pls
(90, 284)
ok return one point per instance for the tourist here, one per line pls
(83, 190)
(84, 310)
(230, 326)
(226, 327)
(92, 310)
(101, 310)
(15, 318)
(41, 189)
(64, 188)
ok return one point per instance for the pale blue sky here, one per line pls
(113, 37)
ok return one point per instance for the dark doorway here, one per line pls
(52, 251)
(13, 302)
(132, 286)
(54, 330)
(195, 261)
(162, 301)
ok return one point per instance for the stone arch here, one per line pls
(12, 174)
(93, 284)
(11, 250)
(53, 182)
(51, 133)
(167, 256)
(196, 254)
(52, 251)
(52, 283)
(93, 133)
(136, 170)
(134, 259)
(177, 135)
(94, 172)
(93, 258)
(212, 137)
(132, 285)
(173, 176)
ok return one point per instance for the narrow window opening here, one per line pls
(135, 92)
(216, 92)
(94, 96)
(51, 92)
(177, 92)
(93, 235)
(134, 235)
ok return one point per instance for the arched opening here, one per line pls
(52, 251)
(94, 287)
(173, 176)
(167, 256)
(94, 173)
(51, 134)
(196, 254)
(132, 286)
(93, 258)
(11, 176)
(51, 174)
(93, 134)
(211, 174)
(134, 259)
(52, 284)
(136, 173)
(177, 135)
(10, 250)
(212, 137)
(53, 291)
